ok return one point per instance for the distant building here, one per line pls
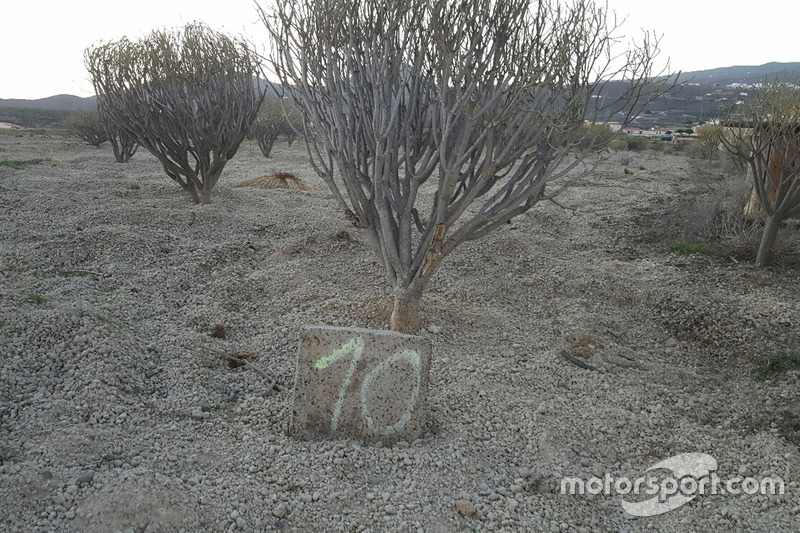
(658, 132)
(632, 130)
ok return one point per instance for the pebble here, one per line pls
(465, 508)
(280, 510)
(104, 399)
(86, 477)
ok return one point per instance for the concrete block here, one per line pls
(365, 384)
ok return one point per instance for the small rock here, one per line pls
(434, 329)
(390, 509)
(86, 477)
(465, 508)
(280, 511)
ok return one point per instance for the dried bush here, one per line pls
(637, 143)
(625, 158)
(707, 143)
(87, 126)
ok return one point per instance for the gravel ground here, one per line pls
(117, 412)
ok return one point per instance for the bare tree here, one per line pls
(486, 100)
(87, 126)
(123, 143)
(270, 124)
(766, 137)
(294, 121)
(187, 96)
(277, 116)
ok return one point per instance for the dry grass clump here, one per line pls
(218, 330)
(278, 180)
(341, 236)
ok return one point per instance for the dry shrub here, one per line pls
(278, 180)
(341, 236)
(637, 142)
(618, 145)
(719, 216)
(706, 144)
(218, 330)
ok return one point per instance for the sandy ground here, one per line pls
(117, 413)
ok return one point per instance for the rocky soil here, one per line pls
(118, 413)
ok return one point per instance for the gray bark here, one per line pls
(485, 99)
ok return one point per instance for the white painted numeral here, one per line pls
(355, 347)
(414, 359)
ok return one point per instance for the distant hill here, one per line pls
(698, 96)
(745, 75)
(44, 112)
(703, 95)
(33, 118)
(62, 102)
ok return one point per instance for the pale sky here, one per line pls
(42, 41)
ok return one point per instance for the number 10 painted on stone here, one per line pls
(358, 383)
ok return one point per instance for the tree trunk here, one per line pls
(193, 193)
(265, 145)
(768, 239)
(205, 196)
(405, 313)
